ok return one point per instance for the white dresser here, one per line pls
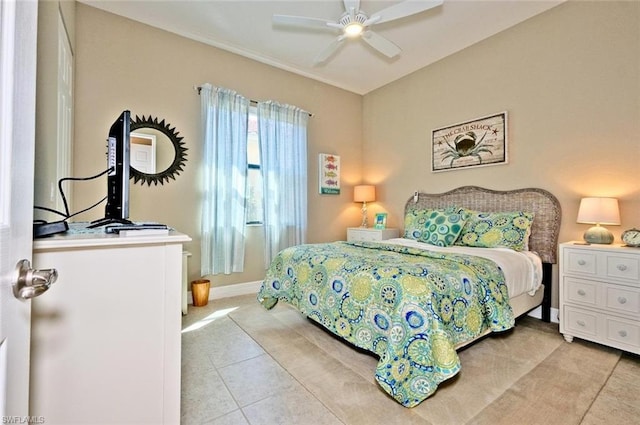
(600, 294)
(106, 336)
(366, 234)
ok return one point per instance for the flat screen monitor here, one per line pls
(118, 157)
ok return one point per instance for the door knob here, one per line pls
(30, 283)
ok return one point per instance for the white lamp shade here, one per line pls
(599, 211)
(364, 193)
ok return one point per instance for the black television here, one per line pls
(118, 162)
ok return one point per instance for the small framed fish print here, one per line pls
(329, 178)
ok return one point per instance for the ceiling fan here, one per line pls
(355, 23)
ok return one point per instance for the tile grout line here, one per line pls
(507, 389)
(235, 400)
(288, 373)
(217, 370)
(604, 384)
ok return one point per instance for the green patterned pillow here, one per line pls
(414, 223)
(439, 227)
(497, 230)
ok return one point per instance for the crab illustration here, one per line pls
(466, 145)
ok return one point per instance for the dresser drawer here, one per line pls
(363, 235)
(624, 267)
(581, 262)
(594, 263)
(580, 322)
(602, 328)
(623, 300)
(622, 333)
(369, 234)
(581, 291)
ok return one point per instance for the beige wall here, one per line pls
(121, 64)
(569, 79)
(570, 82)
(46, 153)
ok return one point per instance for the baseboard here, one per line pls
(247, 288)
(217, 292)
(537, 314)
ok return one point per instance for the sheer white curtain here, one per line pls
(282, 133)
(224, 115)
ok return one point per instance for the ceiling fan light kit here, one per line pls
(354, 29)
(355, 23)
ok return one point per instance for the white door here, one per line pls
(18, 30)
(143, 152)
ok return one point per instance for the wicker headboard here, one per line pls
(545, 206)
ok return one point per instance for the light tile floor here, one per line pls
(227, 378)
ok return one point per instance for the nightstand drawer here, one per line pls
(363, 235)
(370, 234)
(624, 267)
(581, 262)
(591, 262)
(623, 332)
(581, 291)
(580, 322)
(623, 300)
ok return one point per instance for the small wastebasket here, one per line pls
(200, 292)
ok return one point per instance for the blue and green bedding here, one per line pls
(409, 306)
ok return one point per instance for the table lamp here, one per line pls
(364, 194)
(599, 211)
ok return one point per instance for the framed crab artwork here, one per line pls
(476, 143)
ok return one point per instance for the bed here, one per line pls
(413, 301)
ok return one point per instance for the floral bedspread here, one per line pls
(408, 306)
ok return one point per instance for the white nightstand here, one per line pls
(366, 234)
(600, 294)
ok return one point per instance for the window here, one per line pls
(255, 212)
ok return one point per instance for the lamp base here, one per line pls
(365, 220)
(598, 235)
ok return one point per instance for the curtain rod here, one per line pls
(251, 101)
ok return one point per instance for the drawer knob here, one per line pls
(581, 262)
(621, 267)
(581, 323)
(622, 333)
(622, 300)
(581, 292)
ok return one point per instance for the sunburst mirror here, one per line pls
(157, 151)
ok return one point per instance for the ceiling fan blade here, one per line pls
(381, 44)
(329, 50)
(403, 9)
(303, 21)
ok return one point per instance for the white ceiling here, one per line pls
(246, 28)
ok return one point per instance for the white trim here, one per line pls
(4, 377)
(7, 88)
(248, 288)
(64, 121)
(227, 291)
(537, 314)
